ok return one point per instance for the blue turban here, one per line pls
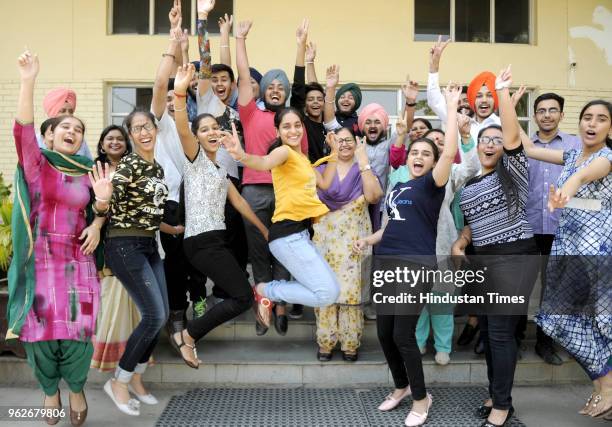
(269, 77)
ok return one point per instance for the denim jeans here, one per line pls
(136, 263)
(315, 283)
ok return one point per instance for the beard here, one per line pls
(273, 108)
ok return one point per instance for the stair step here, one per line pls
(261, 362)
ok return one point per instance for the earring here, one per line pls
(102, 151)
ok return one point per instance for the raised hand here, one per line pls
(243, 29)
(301, 34)
(332, 142)
(361, 154)
(401, 127)
(28, 65)
(332, 76)
(175, 16)
(504, 78)
(556, 199)
(101, 182)
(182, 37)
(452, 93)
(410, 89)
(311, 52)
(435, 53)
(231, 142)
(464, 125)
(205, 6)
(182, 80)
(516, 96)
(225, 24)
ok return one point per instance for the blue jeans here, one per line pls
(136, 263)
(315, 283)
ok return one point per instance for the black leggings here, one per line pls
(208, 252)
(396, 334)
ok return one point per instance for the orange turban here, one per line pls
(486, 78)
(54, 101)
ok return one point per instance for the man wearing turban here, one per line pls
(62, 102)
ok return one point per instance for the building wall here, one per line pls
(374, 47)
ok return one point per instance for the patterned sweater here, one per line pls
(139, 194)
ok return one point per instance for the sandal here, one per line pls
(596, 400)
(263, 309)
(192, 347)
(585, 409)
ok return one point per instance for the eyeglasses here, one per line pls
(542, 111)
(346, 141)
(496, 140)
(137, 129)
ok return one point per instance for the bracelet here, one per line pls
(102, 200)
(180, 95)
(225, 45)
(309, 62)
(411, 104)
(366, 168)
(236, 37)
(466, 136)
(330, 102)
(168, 54)
(180, 109)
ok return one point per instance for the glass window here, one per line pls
(125, 99)
(512, 21)
(472, 20)
(431, 18)
(130, 16)
(162, 8)
(386, 98)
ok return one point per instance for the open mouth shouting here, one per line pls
(275, 99)
(484, 109)
(418, 166)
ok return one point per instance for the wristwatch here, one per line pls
(365, 168)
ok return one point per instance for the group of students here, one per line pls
(320, 187)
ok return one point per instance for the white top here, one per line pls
(169, 154)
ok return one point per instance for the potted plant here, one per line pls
(6, 251)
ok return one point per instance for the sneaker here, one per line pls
(199, 308)
(442, 358)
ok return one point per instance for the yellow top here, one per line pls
(295, 190)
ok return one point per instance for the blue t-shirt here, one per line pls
(413, 208)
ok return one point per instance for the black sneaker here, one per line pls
(548, 354)
(297, 311)
(468, 334)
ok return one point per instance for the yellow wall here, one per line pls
(373, 45)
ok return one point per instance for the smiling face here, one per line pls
(222, 85)
(346, 102)
(209, 134)
(464, 106)
(314, 104)
(290, 130)
(66, 110)
(373, 129)
(346, 145)
(421, 159)
(68, 136)
(548, 115)
(143, 133)
(114, 145)
(484, 103)
(417, 130)
(490, 152)
(275, 93)
(438, 138)
(595, 126)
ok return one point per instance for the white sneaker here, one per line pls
(132, 407)
(149, 399)
(442, 358)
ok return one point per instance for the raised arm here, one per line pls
(509, 120)
(597, 169)
(435, 99)
(225, 27)
(28, 70)
(166, 65)
(325, 179)
(410, 89)
(441, 171)
(311, 54)
(204, 8)
(298, 87)
(181, 82)
(331, 81)
(231, 142)
(372, 191)
(245, 92)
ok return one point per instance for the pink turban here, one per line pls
(54, 101)
(373, 110)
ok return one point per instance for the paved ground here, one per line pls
(536, 407)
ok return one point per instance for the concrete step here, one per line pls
(294, 363)
(304, 329)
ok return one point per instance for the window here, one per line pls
(124, 99)
(151, 16)
(484, 21)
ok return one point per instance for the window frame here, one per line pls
(531, 23)
(192, 20)
(109, 97)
